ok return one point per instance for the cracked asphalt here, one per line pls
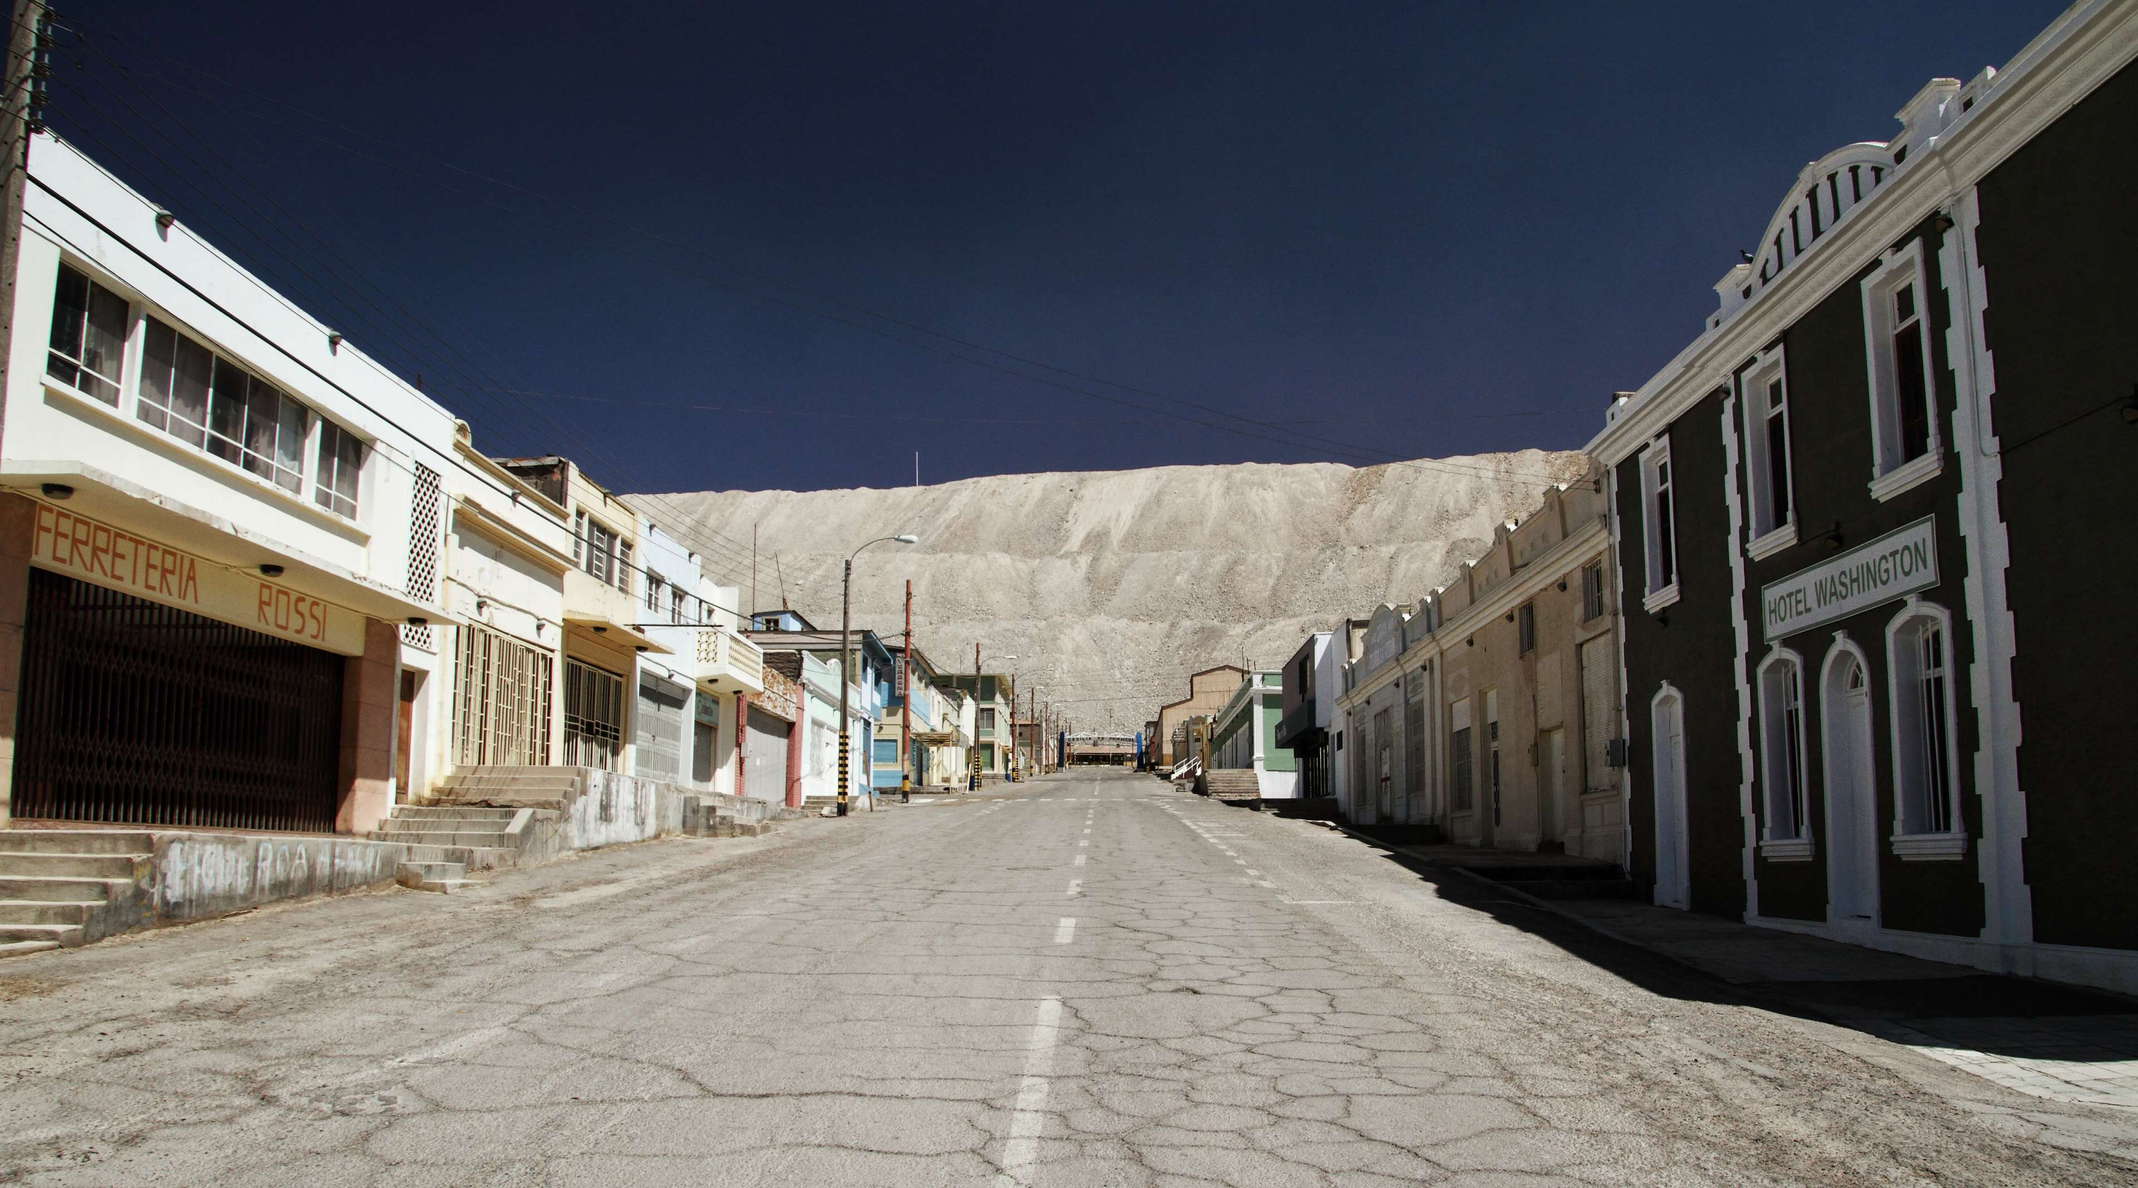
(1087, 980)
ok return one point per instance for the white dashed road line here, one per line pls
(1027, 1118)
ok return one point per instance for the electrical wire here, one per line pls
(961, 348)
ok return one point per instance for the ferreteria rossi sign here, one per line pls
(1899, 563)
(131, 563)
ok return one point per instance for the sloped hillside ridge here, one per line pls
(1110, 587)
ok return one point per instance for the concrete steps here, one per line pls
(475, 836)
(1231, 783)
(55, 884)
(441, 877)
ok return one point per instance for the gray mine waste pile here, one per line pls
(1110, 587)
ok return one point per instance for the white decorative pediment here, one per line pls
(1827, 191)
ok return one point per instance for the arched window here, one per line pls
(1782, 755)
(1925, 751)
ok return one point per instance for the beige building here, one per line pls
(1487, 713)
(1528, 686)
(1208, 691)
(602, 634)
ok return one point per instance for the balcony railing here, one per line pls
(726, 660)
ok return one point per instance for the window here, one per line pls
(1904, 429)
(886, 752)
(341, 463)
(205, 400)
(1660, 522)
(679, 607)
(88, 349)
(1526, 627)
(654, 586)
(1781, 708)
(1592, 592)
(602, 555)
(987, 721)
(1924, 759)
(1765, 397)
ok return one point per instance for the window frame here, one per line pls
(1785, 667)
(1525, 628)
(1890, 473)
(1905, 742)
(1771, 529)
(128, 354)
(1658, 480)
(215, 443)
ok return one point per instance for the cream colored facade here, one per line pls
(1208, 691)
(1489, 710)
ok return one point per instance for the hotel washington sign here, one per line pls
(1899, 563)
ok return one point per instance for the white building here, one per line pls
(222, 528)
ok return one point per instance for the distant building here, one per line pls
(1208, 691)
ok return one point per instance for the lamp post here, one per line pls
(846, 657)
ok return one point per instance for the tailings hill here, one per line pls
(1111, 586)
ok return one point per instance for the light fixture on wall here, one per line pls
(418, 621)
(601, 631)
(1562, 585)
(57, 491)
(270, 570)
(165, 220)
(1510, 616)
(481, 605)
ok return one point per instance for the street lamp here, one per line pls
(846, 657)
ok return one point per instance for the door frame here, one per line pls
(1852, 848)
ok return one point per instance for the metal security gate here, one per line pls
(593, 717)
(138, 713)
(660, 729)
(501, 700)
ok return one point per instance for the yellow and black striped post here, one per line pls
(843, 782)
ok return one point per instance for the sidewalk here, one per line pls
(2040, 1038)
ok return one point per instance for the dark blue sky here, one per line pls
(753, 245)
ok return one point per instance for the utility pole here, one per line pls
(28, 69)
(905, 702)
(976, 716)
(753, 573)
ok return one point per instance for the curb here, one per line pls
(1526, 899)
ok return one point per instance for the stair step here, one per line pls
(24, 948)
(453, 811)
(47, 911)
(95, 866)
(487, 839)
(444, 824)
(54, 887)
(432, 876)
(63, 935)
(77, 841)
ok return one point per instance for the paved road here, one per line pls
(1089, 981)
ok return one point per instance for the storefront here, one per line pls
(160, 686)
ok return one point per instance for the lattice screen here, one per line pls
(423, 552)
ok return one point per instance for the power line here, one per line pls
(355, 283)
(960, 348)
